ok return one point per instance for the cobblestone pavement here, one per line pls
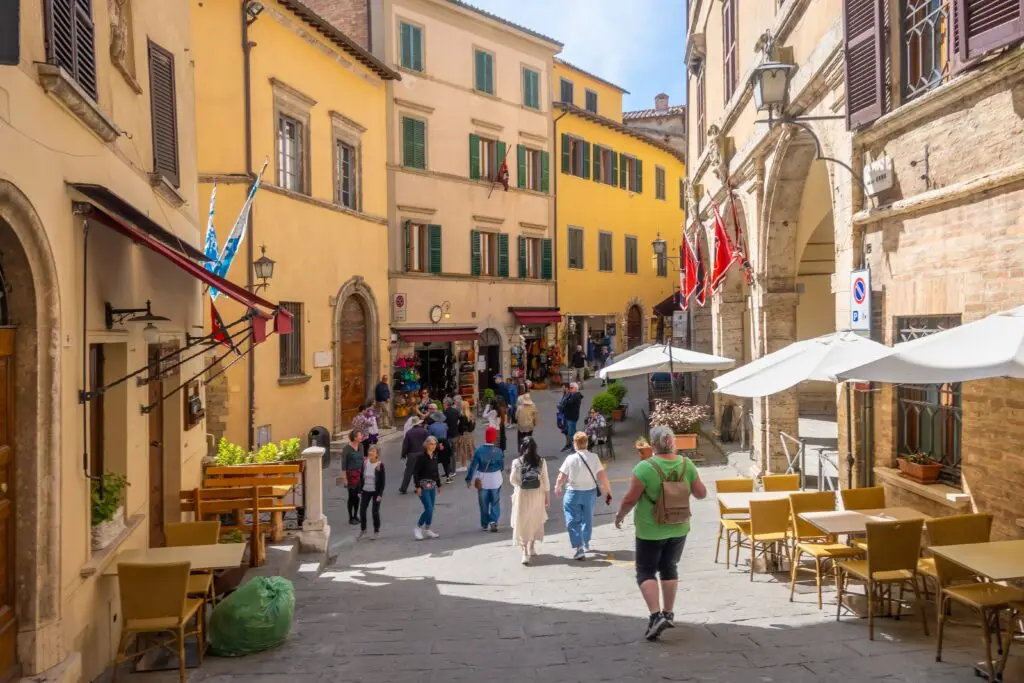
(462, 608)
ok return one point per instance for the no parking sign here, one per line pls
(860, 301)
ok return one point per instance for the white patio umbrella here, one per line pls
(982, 349)
(631, 352)
(658, 358)
(818, 359)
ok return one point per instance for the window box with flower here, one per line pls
(919, 467)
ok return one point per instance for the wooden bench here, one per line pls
(214, 503)
(281, 478)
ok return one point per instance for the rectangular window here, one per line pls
(702, 110)
(575, 247)
(414, 143)
(929, 416)
(659, 183)
(605, 165)
(662, 265)
(631, 255)
(729, 54)
(71, 40)
(682, 194)
(411, 46)
(345, 173)
(591, 101)
(530, 258)
(422, 248)
(604, 252)
(164, 113)
(530, 168)
(926, 54)
(291, 343)
(289, 153)
(489, 254)
(565, 91)
(485, 157)
(484, 71)
(575, 156)
(630, 173)
(531, 88)
(96, 434)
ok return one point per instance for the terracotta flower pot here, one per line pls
(618, 414)
(921, 473)
(686, 442)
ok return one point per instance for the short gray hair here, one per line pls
(447, 402)
(429, 439)
(663, 440)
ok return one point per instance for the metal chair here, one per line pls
(604, 447)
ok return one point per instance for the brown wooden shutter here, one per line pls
(164, 113)
(10, 32)
(986, 25)
(865, 61)
(70, 41)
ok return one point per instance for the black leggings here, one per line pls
(445, 458)
(353, 502)
(366, 498)
(658, 559)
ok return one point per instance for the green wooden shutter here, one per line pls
(474, 156)
(408, 256)
(521, 167)
(615, 170)
(502, 255)
(597, 163)
(474, 252)
(586, 160)
(480, 80)
(408, 140)
(546, 259)
(417, 48)
(434, 240)
(420, 144)
(639, 176)
(545, 172)
(499, 157)
(405, 33)
(522, 256)
(489, 61)
(566, 149)
(622, 172)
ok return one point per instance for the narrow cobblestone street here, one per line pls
(462, 608)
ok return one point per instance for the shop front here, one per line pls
(534, 354)
(440, 360)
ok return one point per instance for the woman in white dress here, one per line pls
(530, 498)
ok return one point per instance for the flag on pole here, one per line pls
(703, 281)
(210, 248)
(219, 334)
(502, 176)
(237, 234)
(684, 300)
(691, 272)
(724, 253)
(742, 256)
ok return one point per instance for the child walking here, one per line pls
(372, 492)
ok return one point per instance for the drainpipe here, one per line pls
(555, 173)
(247, 47)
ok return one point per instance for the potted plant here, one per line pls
(919, 467)
(618, 391)
(230, 454)
(645, 448)
(605, 404)
(108, 509)
(682, 417)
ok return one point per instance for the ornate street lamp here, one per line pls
(660, 246)
(263, 267)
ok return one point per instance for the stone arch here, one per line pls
(35, 313)
(356, 287)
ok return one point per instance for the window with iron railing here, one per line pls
(925, 45)
(291, 343)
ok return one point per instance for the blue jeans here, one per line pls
(578, 507)
(570, 431)
(490, 505)
(427, 497)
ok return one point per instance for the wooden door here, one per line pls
(156, 452)
(8, 626)
(633, 325)
(353, 358)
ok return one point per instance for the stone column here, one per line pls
(778, 412)
(727, 310)
(316, 533)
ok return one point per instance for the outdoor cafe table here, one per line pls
(741, 501)
(853, 522)
(216, 556)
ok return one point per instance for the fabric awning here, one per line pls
(536, 316)
(668, 306)
(111, 202)
(438, 334)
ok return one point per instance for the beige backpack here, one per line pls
(673, 505)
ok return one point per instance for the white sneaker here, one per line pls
(526, 557)
(418, 533)
(429, 534)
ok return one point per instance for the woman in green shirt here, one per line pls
(658, 546)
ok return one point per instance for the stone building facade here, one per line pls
(665, 123)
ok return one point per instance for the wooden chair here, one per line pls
(892, 561)
(728, 517)
(808, 539)
(237, 502)
(866, 498)
(986, 599)
(781, 482)
(767, 529)
(283, 478)
(200, 583)
(154, 599)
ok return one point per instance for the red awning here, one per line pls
(537, 316)
(439, 334)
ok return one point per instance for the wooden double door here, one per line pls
(8, 623)
(354, 357)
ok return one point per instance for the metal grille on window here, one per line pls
(926, 26)
(346, 155)
(291, 344)
(929, 416)
(289, 154)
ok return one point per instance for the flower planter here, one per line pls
(618, 414)
(645, 452)
(104, 533)
(686, 442)
(921, 473)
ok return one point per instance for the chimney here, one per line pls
(661, 102)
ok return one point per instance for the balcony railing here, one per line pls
(926, 26)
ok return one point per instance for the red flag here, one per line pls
(217, 326)
(703, 280)
(741, 243)
(690, 272)
(724, 253)
(503, 173)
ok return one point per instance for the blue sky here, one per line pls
(637, 45)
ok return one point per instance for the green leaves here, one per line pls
(114, 487)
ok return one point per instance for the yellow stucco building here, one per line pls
(311, 103)
(616, 191)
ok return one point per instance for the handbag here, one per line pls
(477, 484)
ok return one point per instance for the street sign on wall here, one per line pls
(678, 324)
(860, 301)
(399, 305)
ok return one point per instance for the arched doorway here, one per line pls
(634, 326)
(356, 350)
(490, 353)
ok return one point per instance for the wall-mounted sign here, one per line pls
(399, 306)
(860, 301)
(323, 359)
(678, 324)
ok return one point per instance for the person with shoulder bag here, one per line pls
(583, 478)
(486, 474)
(530, 498)
(465, 444)
(660, 491)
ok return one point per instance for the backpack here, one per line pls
(530, 478)
(673, 505)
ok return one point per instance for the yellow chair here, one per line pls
(892, 561)
(954, 530)
(866, 498)
(781, 482)
(727, 517)
(767, 527)
(808, 539)
(200, 583)
(987, 599)
(154, 599)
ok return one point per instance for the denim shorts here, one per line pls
(658, 559)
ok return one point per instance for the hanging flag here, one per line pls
(724, 254)
(227, 254)
(742, 256)
(502, 176)
(703, 279)
(684, 300)
(691, 272)
(218, 333)
(210, 248)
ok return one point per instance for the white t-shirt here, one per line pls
(579, 478)
(369, 476)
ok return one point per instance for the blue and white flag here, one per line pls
(210, 248)
(237, 234)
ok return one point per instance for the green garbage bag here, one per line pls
(256, 617)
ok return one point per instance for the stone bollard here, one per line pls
(316, 533)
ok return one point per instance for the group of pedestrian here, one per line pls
(363, 476)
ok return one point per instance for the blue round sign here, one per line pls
(860, 290)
